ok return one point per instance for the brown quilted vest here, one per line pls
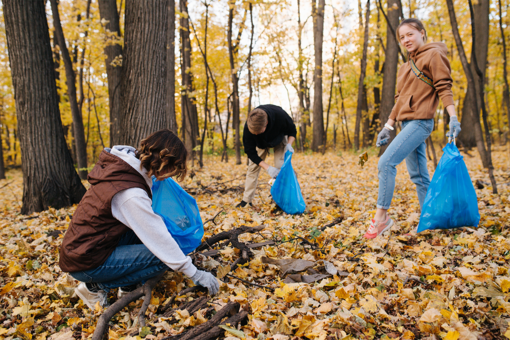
(94, 233)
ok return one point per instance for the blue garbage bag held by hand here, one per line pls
(286, 191)
(451, 198)
(179, 211)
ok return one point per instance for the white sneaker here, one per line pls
(91, 298)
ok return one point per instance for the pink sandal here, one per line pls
(372, 230)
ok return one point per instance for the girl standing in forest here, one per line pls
(421, 81)
(115, 239)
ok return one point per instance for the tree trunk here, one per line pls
(2, 165)
(304, 114)
(318, 37)
(330, 94)
(344, 118)
(170, 67)
(506, 90)
(361, 85)
(78, 130)
(110, 15)
(189, 113)
(232, 47)
(472, 95)
(377, 91)
(250, 53)
(206, 102)
(479, 52)
(143, 83)
(49, 177)
(389, 68)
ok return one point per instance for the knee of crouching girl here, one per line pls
(163, 155)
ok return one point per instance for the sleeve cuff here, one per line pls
(190, 270)
(447, 100)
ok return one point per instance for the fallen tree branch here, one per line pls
(212, 219)
(230, 308)
(215, 332)
(334, 222)
(250, 245)
(250, 283)
(104, 319)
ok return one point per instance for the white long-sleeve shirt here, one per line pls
(133, 208)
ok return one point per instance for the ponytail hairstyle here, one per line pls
(163, 152)
(416, 24)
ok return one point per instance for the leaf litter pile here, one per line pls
(310, 276)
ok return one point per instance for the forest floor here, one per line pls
(450, 284)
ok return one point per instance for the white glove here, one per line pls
(207, 280)
(288, 147)
(273, 172)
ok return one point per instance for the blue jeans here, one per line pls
(129, 264)
(409, 145)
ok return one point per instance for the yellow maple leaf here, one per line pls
(13, 269)
(24, 329)
(258, 305)
(341, 294)
(288, 293)
(222, 271)
(505, 285)
(369, 303)
(452, 335)
(8, 287)
(304, 324)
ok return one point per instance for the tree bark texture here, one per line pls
(506, 91)
(250, 53)
(78, 129)
(480, 48)
(2, 165)
(361, 110)
(390, 68)
(304, 113)
(189, 113)
(206, 101)
(471, 94)
(143, 83)
(49, 177)
(318, 37)
(232, 53)
(170, 66)
(108, 12)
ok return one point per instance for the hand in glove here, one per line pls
(454, 127)
(273, 172)
(383, 137)
(207, 280)
(288, 147)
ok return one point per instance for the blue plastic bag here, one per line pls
(180, 213)
(286, 191)
(451, 198)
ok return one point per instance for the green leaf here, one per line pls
(233, 331)
(145, 331)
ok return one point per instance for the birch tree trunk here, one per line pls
(318, 37)
(78, 130)
(49, 177)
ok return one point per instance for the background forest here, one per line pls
(231, 56)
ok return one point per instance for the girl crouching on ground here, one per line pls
(421, 81)
(115, 239)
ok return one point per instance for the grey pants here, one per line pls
(252, 175)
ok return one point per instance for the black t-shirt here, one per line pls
(279, 124)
